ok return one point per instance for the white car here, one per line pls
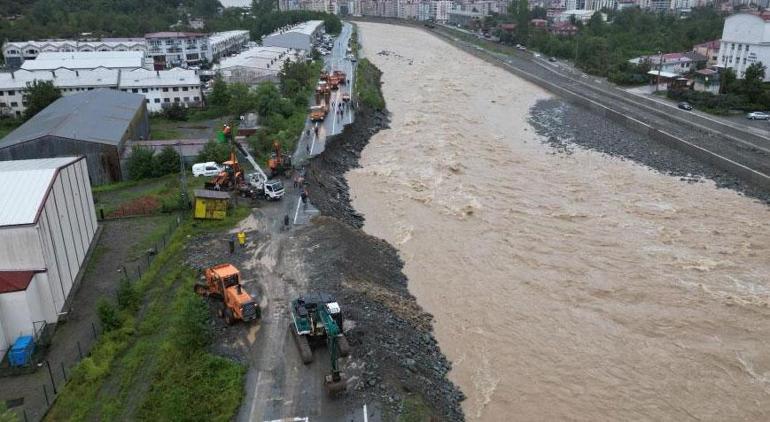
(758, 115)
(206, 169)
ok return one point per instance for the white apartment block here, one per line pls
(172, 49)
(439, 10)
(223, 43)
(16, 52)
(745, 40)
(159, 87)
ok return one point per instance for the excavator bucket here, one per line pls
(335, 387)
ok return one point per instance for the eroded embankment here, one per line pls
(392, 335)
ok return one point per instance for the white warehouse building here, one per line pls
(47, 226)
(298, 37)
(745, 40)
(17, 52)
(124, 60)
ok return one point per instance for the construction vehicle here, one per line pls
(322, 93)
(279, 162)
(229, 178)
(317, 113)
(223, 283)
(260, 184)
(345, 97)
(340, 75)
(317, 321)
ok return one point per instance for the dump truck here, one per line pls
(223, 284)
(317, 322)
(317, 113)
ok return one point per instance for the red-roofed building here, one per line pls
(710, 49)
(539, 23)
(564, 29)
(47, 226)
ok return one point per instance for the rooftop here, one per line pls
(710, 44)
(170, 34)
(64, 78)
(23, 200)
(258, 57)
(172, 77)
(85, 60)
(14, 281)
(62, 42)
(221, 36)
(306, 28)
(101, 116)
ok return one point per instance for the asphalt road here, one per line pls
(309, 143)
(278, 386)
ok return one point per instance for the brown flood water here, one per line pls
(572, 287)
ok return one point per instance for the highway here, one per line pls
(748, 147)
(310, 144)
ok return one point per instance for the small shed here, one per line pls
(211, 204)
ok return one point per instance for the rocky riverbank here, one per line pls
(392, 335)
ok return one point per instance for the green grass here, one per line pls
(367, 85)
(164, 189)
(143, 371)
(414, 409)
(8, 125)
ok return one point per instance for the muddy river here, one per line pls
(564, 287)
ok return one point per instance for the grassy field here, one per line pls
(153, 364)
(161, 128)
(367, 85)
(152, 195)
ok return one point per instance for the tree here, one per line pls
(267, 99)
(166, 161)
(220, 94)
(213, 151)
(241, 99)
(522, 21)
(40, 94)
(726, 80)
(538, 12)
(596, 24)
(140, 163)
(751, 85)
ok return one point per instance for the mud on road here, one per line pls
(394, 356)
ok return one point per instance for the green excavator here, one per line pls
(317, 321)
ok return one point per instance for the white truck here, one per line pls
(258, 181)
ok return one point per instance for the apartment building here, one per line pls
(173, 49)
(165, 86)
(224, 43)
(745, 40)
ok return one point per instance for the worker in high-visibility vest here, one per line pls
(241, 238)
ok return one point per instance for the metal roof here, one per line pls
(259, 57)
(24, 185)
(169, 34)
(158, 78)
(86, 60)
(101, 115)
(62, 78)
(306, 28)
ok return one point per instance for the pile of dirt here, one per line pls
(393, 348)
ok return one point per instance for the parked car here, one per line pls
(684, 105)
(552, 59)
(758, 115)
(206, 169)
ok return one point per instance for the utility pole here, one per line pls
(660, 67)
(183, 179)
(577, 42)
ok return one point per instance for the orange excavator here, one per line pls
(229, 178)
(223, 283)
(340, 75)
(279, 162)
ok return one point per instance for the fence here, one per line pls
(34, 388)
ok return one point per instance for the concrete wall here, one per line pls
(21, 249)
(21, 312)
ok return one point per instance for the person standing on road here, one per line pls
(304, 198)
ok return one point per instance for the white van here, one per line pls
(206, 169)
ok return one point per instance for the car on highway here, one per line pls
(684, 105)
(758, 115)
(552, 59)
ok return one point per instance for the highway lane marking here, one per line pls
(256, 391)
(312, 146)
(366, 416)
(296, 214)
(294, 419)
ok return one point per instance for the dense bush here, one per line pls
(176, 112)
(213, 151)
(143, 163)
(108, 314)
(191, 329)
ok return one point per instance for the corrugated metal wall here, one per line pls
(103, 160)
(66, 228)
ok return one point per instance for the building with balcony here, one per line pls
(177, 49)
(745, 40)
(224, 43)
